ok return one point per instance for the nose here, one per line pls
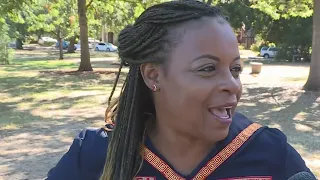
(230, 84)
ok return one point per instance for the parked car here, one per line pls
(106, 47)
(268, 52)
(65, 45)
(91, 45)
(12, 44)
(44, 40)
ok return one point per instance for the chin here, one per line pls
(217, 134)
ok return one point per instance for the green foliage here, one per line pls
(57, 17)
(12, 6)
(241, 47)
(239, 12)
(5, 52)
(295, 32)
(284, 8)
(116, 14)
(255, 47)
(286, 23)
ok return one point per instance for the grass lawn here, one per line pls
(44, 105)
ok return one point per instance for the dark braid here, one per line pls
(147, 41)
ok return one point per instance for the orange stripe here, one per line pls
(250, 178)
(226, 152)
(160, 165)
(212, 165)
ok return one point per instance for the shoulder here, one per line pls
(281, 153)
(272, 145)
(85, 158)
(264, 133)
(93, 147)
(268, 142)
(92, 137)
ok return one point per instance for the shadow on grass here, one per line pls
(43, 107)
(44, 123)
(35, 144)
(294, 112)
(45, 63)
(17, 86)
(52, 90)
(54, 55)
(29, 154)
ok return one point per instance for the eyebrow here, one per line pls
(209, 56)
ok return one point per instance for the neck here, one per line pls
(182, 150)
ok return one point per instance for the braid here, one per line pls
(147, 41)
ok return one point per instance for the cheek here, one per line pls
(188, 96)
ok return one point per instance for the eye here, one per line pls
(236, 71)
(207, 69)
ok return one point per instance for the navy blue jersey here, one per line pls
(250, 151)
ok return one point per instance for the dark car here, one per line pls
(65, 45)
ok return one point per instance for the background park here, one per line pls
(58, 61)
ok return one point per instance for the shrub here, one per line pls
(241, 47)
(255, 47)
(5, 52)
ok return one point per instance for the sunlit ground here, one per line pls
(275, 98)
(43, 108)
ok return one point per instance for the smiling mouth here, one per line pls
(222, 113)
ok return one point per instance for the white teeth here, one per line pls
(220, 112)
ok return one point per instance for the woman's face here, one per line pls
(200, 85)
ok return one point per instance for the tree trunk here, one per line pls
(60, 45)
(19, 43)
(85, 64)
(71, 45)
(60, 49)
(209, 2)
(313, 82)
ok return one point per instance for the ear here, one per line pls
(150, 73)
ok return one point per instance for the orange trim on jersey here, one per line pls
(250, 178)
(212, 165)
(160, 165)
(226, 152)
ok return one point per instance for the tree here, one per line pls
(301, 8)
(5, 53)
(52, 17)
(313, 82)
(85, 64)
(8, 8)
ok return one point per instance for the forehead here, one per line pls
(206, 36)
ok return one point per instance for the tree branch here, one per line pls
(244, 4)
(209, 2)
(89, 4)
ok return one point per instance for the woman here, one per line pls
(176, 114)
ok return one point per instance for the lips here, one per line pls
(222, 112)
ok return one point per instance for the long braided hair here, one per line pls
(147, 41)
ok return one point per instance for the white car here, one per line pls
(268, 52)
(91, 45)
(106, 47)
(42, 40)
